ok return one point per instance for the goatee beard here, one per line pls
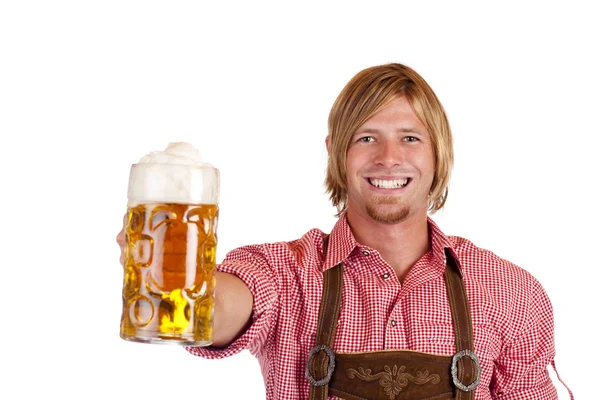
(390, 217)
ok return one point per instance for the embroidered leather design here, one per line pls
(393, 379)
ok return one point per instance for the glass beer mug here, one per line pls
(170, 251)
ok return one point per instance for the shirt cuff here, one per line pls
(264, 294)
(546, 391)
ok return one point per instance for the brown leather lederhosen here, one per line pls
(393, 374)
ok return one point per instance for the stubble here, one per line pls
(399, 214)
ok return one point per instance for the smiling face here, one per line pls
(390, 166)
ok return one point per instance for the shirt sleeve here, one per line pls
(521, 371)
(250, 264)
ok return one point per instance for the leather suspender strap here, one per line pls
(323, 362)
(320, 366)
(465, 365)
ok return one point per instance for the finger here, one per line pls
(121, 240)
(121, 235)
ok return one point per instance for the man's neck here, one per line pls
(400, 244)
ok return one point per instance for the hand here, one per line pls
(121, 240)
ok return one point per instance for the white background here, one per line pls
(88, 87)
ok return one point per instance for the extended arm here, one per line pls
(233, 309)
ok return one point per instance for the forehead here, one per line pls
(398, 113)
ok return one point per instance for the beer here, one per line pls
(170, 254)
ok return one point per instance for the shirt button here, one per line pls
(366, 252)
(385, 276)
(393, 322)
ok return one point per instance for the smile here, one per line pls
(388, 183)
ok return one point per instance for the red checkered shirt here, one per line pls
(511, 313)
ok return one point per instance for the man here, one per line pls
(386, 306)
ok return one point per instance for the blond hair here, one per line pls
(367, 93)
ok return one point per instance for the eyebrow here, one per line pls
(373, 130)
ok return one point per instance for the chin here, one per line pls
(387, 217)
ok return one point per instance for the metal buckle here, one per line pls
(311, 353)
(454, 370)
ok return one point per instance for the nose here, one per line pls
(390, 153)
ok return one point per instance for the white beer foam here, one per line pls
(175, 175)
(179, 153)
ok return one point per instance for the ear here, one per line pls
(328, 145)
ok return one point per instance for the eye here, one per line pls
(366, 139)
(411, 139)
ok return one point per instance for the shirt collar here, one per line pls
(439, 243)
(342, 243)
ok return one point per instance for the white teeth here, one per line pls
(388, 184)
